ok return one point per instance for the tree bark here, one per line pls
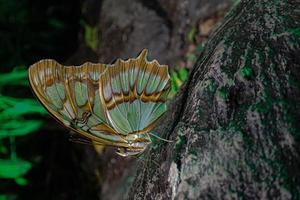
(235, 124)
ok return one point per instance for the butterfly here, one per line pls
(109, 104)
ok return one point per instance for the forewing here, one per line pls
(134, 93)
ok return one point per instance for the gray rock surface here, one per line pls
(235, 125)
(128, 26)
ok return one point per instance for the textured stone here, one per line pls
(236, 122)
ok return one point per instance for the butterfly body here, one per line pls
(115, 105)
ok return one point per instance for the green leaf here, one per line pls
(91, 36)
(192, 34)
(8, 196)
(16, 127)
(14, 107)
(17, 77)
(183, 74)
(3, 197)
(21, 181)
(175, 81)
(13, 169)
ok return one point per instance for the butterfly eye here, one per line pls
(115, 105)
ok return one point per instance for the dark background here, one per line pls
(73, 32)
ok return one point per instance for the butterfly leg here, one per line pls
(160, 138)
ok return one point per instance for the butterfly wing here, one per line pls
(133, 94)
(71, 95)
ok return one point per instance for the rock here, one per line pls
(235, 125)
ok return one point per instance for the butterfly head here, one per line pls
(137, 143)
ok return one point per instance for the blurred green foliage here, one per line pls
(30, 30)
(8, 197)
(17, 77)
(14, 123)
(91, 36)
(14, 168)
(177, 79)
(191, 36)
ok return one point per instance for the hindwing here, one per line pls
(71, 95)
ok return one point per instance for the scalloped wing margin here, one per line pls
(133, 93)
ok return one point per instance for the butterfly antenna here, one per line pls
(152, 134)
